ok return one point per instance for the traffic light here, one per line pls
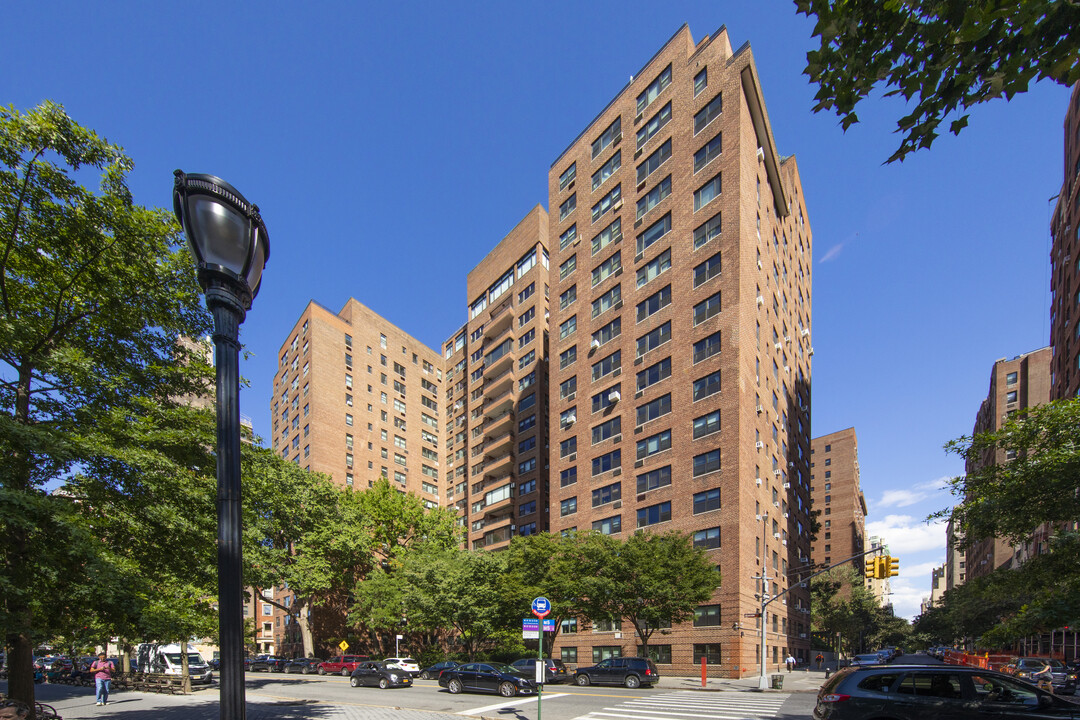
(871, 568)
(891, 566)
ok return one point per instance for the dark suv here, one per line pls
(267, 663)
(554, 670)
(933, 692)
(629, 671)
(1029, 668)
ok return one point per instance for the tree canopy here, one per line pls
(942, 57)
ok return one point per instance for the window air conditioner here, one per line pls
(614, 396)
(594, 345)
(760, 409)
(759, 445)
(776, 535)
(758, 481)
(761, 155)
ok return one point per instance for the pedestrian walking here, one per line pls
(103, 670)
(790, 663)
(819, 659)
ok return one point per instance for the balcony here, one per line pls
(498, 444)
(494, 366)
(496, 424)
(499, 467)
(494, 405)
(495, 384)
(501, 318)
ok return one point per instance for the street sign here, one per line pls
(343, 645)
(549, 625)
(541, 606)
(530, 624)
(530, 634)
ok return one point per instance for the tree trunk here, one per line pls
(21, 667)
(305, 630)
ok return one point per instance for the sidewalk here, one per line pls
(804, 680)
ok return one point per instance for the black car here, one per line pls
(554, 670)
(306, 666)
(375, 674)
(493, 677)
(934, 692)
(267, 663)
(434, 670)
(629, 671)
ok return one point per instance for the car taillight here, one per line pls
(833, 698)
(648, 671)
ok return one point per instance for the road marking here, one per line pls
(499, 706)
(691, 706)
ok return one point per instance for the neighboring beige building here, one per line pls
(497, 392)
(880, 587)
(836, 491)
(955, 560)
(1016, 384)
(357, 398)
(680, 348)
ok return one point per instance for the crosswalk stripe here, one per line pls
(628, 716)
(692, 706)
(508, 703)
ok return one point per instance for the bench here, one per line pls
(154, 682)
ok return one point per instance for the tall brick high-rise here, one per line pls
(1065, 264)
(1016, 384)
(357, 398)
(497, 392)
(836, 491)
(680, 348)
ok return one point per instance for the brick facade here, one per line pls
(1065, 264)
(836, 491)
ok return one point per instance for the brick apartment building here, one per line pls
(1065, 264)
(1016, 384)
(836, 491)
(669, 408)
(497, 392)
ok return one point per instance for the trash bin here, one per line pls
(777, 682)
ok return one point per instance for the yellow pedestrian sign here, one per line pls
(343, 645)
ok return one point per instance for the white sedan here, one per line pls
(404, 664)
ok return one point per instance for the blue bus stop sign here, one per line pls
(541, 606)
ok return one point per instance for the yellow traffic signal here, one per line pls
(891, 566)
(871, 568)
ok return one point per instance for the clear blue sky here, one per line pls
(367, 129)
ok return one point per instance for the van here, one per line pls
(167, 660)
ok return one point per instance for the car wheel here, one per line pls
(354, 681)
(384, 683)
(425, 676)
(344, 672)
(287, 670)
(322, 671)
(454, 686)
(632, 681)
(508, 689)
(581, 680)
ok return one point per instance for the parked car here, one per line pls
(432, 671)
(304, 666)
(493, 677)
(866, 659)
(554, 670)
(268, 663)
(341, 664)
(405, 664)
(1062, 678)
(934, 692)
(379, 674)
(629, 671)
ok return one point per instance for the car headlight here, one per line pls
(393, 677)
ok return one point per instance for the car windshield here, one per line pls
(866, 658)
(192, 658)
(503, 667)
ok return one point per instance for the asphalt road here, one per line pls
(558, 702)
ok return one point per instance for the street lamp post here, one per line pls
(228, 239)
(764, 598)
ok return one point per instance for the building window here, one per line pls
(568, 297)
(605, 652)
(1010, 397)
(706, 309)
(708, 539)
(568, 447)
(568, 626)
(654, 338)
(660, 654)
(654, 409)
(608, 300)
(611, 234)
(568, 654)
(568, 507)
(606, 430)
(654, 232)
(709, 651)
(606, 462)
(654, 267)
(708, 113)
(606, 494)
(654, 125)
(568, 328)
(607, 170)
(568, 206)
(658, 478)
(603, 399)
(654, 303)
(654, 514)
(707, 462)
(607, 202)
(1010, 379)
(568, 176)
(706, 424)
(568, 267)
(610, 331)
(568, 477)
(607, 137)
(654, 197)
(707, 616)
(708, 152)
(654, 161)
(654, 444)
(608, 365)
(707, 347)
(567, 357)
(569, 235)
(706, 501)
(706, 386)
(707, 193)
(701, 81)
(608, 526)
(654, 373)
(606, 269)
(656, 87)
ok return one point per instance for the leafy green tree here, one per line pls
(649, 579)
(842, 605)
(942, 57)
(94, 291)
